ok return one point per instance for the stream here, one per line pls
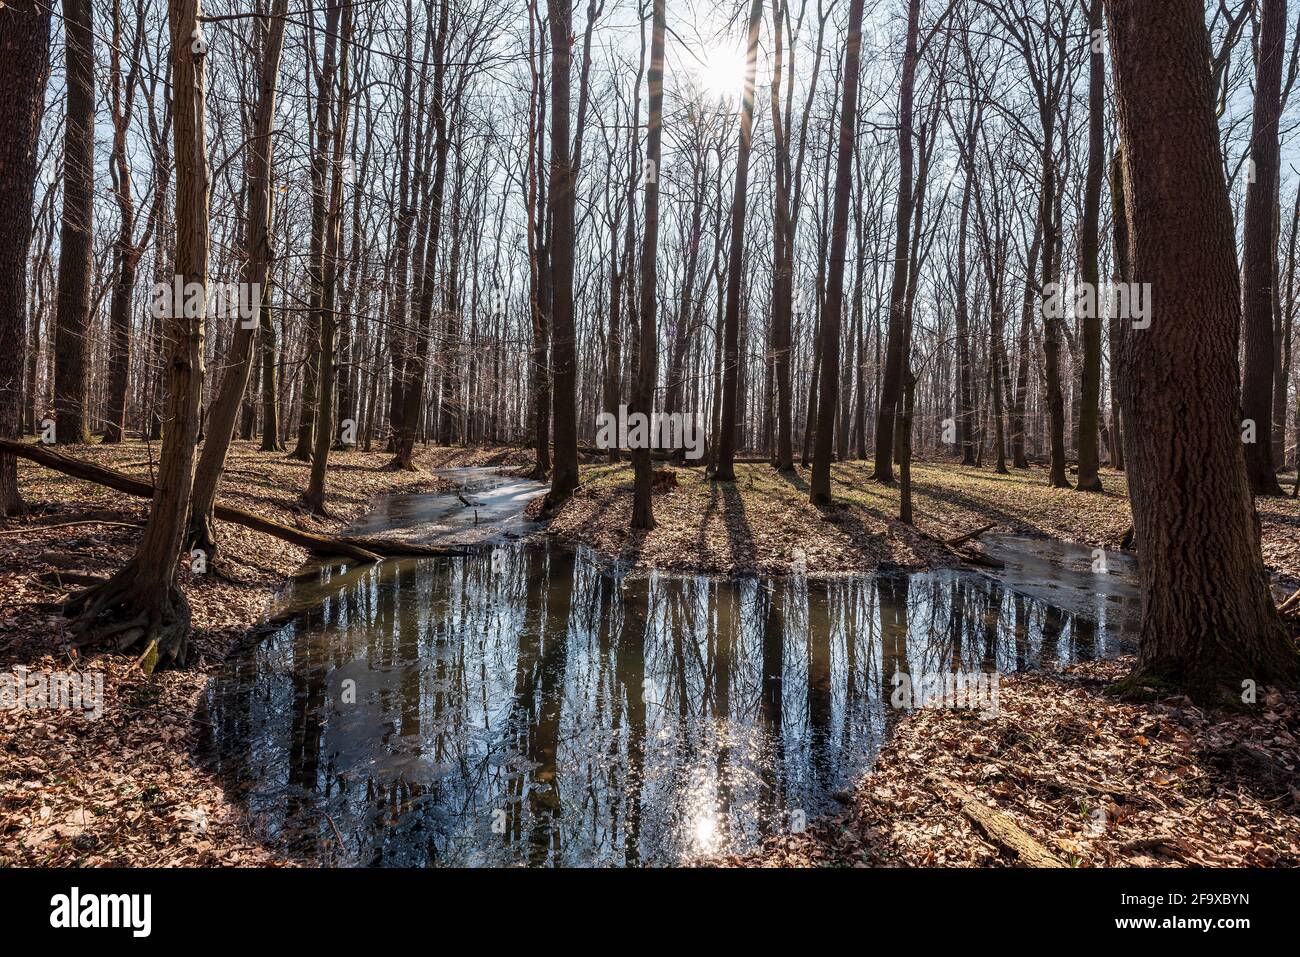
(529, 705)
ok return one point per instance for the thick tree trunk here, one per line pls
(1208, 622)
(24, 69)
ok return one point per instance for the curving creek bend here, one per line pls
(526, 704)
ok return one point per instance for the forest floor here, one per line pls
(1092, 781)
(126, 789)
(764, 524)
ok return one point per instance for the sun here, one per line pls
(721, 73)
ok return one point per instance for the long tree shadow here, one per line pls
(709, 512)
(739, 534)
(921, 491)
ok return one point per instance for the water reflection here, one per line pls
(527, 706)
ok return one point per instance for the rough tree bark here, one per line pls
(1208, 622)
(76, 262)
(24, 69)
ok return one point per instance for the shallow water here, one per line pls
(527, 705)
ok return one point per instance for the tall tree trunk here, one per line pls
(1208, 622)
(1259, 253)
(1285, 338)
(76, 254)
(1018, 457)
(563, 185)
(783, 260)
(892, 385)
(965, 409)
(726, 438)
(648, 360)
(142, 606)
(314, 496)
(418, 362)
(126, 252)
(24, 69)
(1051, 323)
(222, 412)
(828, 403)
(1123, 273)
(1089, 454)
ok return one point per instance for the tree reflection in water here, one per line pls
(527, 706)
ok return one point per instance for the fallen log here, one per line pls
(999, 828)
(1006, 834)
(396, 548)
(361, 549)
(962, 539)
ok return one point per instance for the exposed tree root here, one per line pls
(126, 613)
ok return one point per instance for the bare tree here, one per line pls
(648, 362)
(1259, 257)
(725, 469)
(221, 415)
(141, 606)
(828, 402)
